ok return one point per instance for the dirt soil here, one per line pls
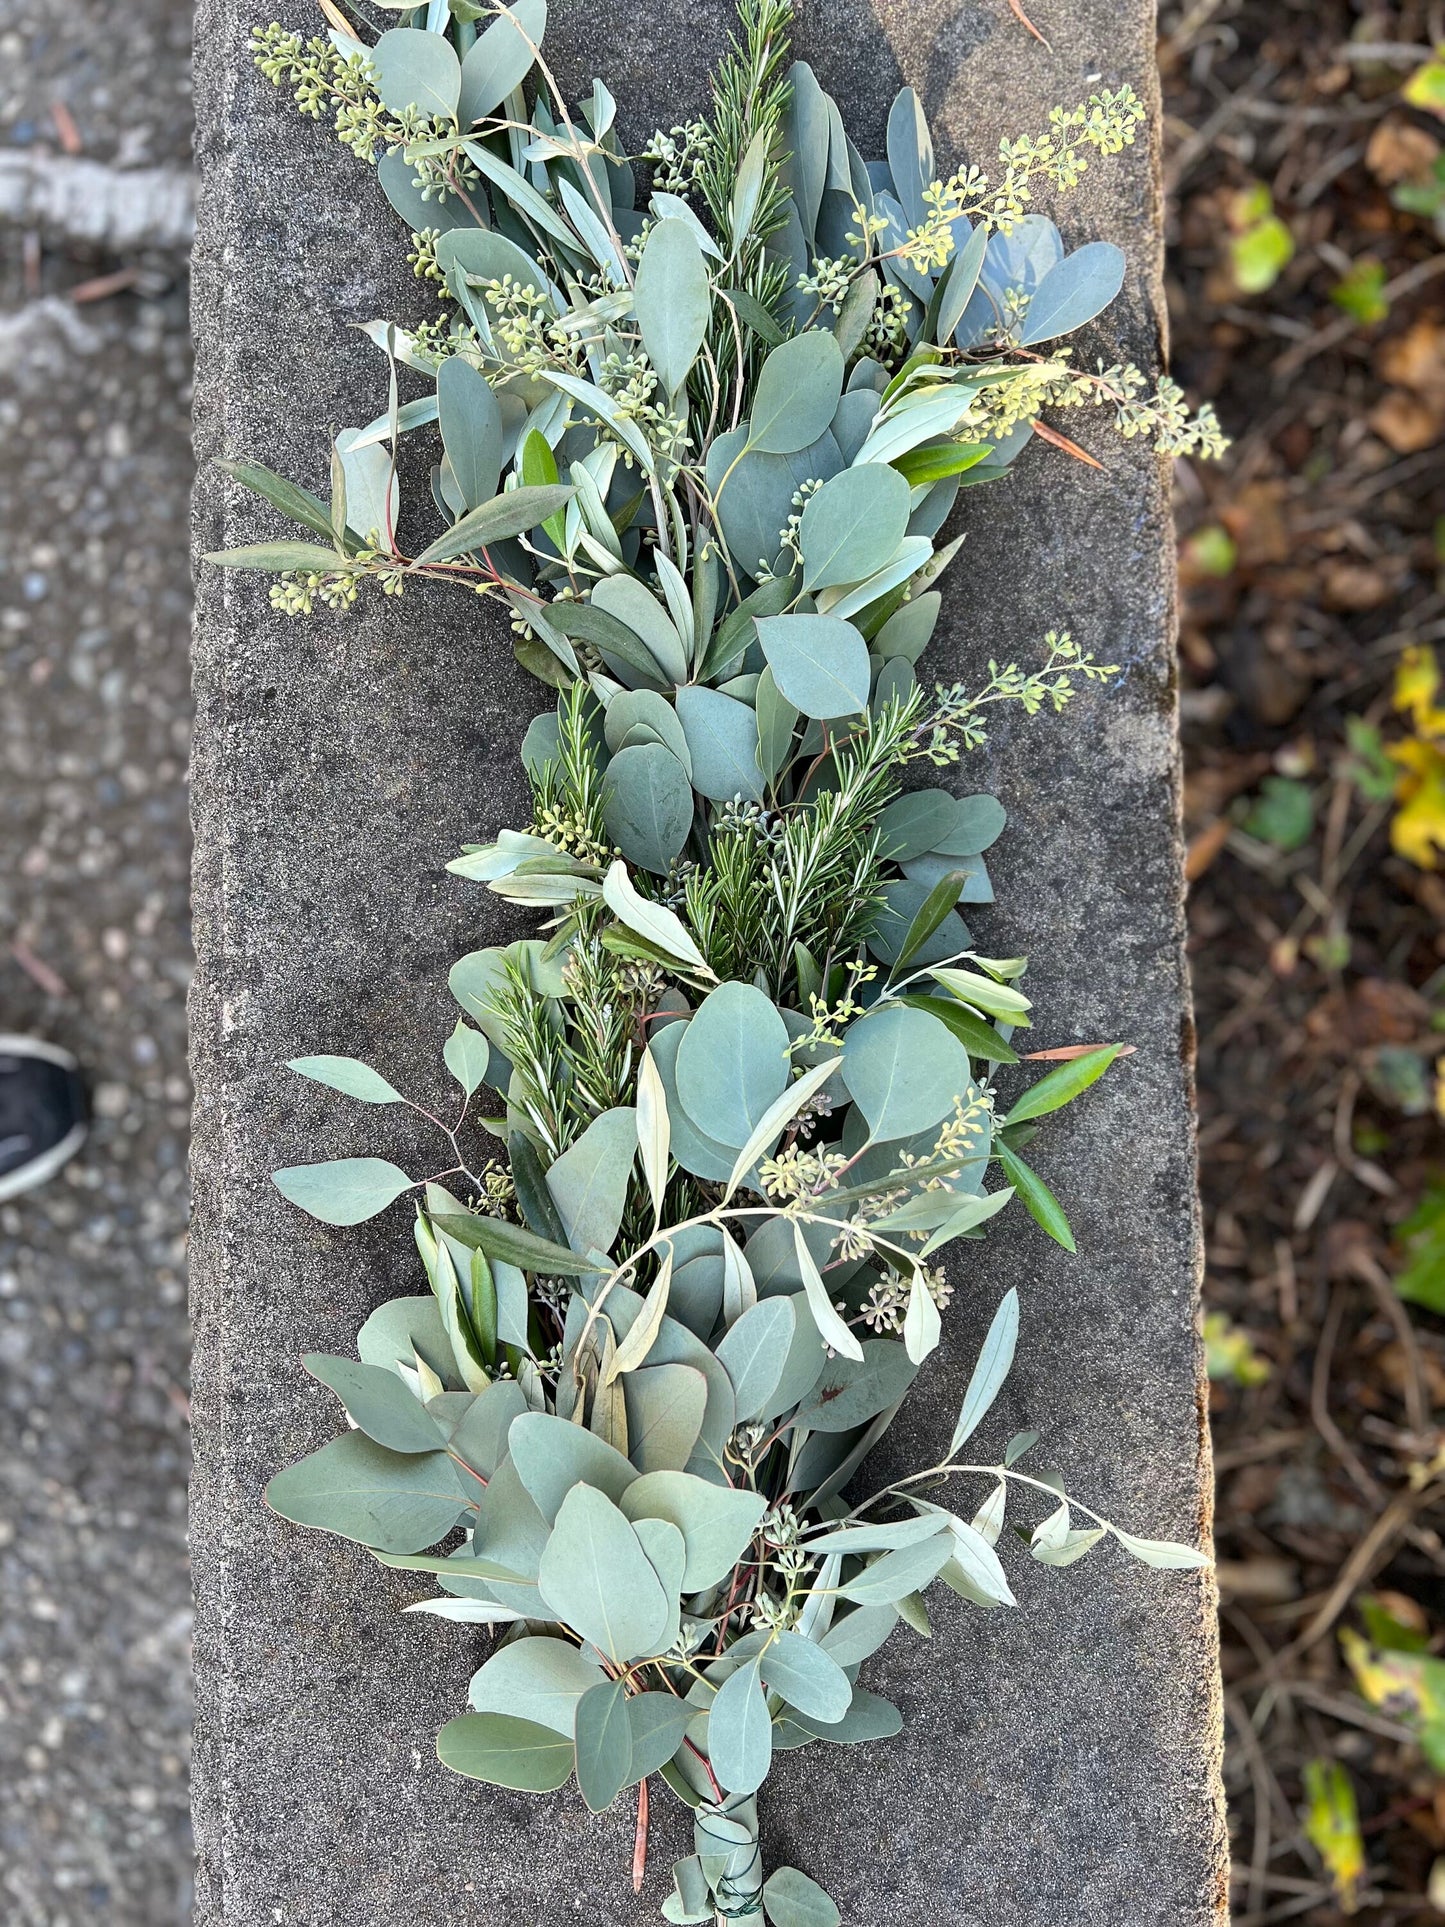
(1311, 562)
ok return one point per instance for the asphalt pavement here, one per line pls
(95, 472)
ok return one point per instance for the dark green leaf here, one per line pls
(1063, 1084)
(978, 1037)
(293, 501)
(1038, 1200)
(929, 915)
(514, 1246)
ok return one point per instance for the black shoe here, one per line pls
(44, 1113)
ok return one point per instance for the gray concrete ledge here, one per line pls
(1059, 1765)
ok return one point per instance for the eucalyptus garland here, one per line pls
(700, 437)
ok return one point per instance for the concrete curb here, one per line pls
(1059, 1765)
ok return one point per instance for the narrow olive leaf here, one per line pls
(654, 1131)
(922, 1326)
(513, 513)
(348, 1075)
(930, 914)
(975, 1033)
(740, 1291)
(779, 1113)
(881, 1538)
(980, 1563)
(632, 1352)
(1062, 1085)
(505, 1752)
(831, 1328)
(280, 558)
(1166, 1555)
(516, 1246)
(297, 503)
(969, 1215)
(653, 922)
(343, 1190)
(986, 994)
(1038, 1200)
(995, 1358)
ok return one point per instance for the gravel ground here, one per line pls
(94, 954)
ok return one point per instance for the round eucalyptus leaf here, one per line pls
(904, 1070)
(908, 631)
(1081, 286)
(852, 527)
(536, 1678)
(500, 59)
(820, 663)
(717, 1522)
(343, 1190)
(754, 492)
(505, 1752)
(392, 1501)
(916, 822)
(376, 1400)
(797, 391)
(694, 1149)
(791, 1899)
(604, 1744)
(416, 69)
(588, 1183)
(542, 743)
(740, 1732)
(722, 740)
(807, 1677)
(595, 1577)
(648, 806)
(645, 710)
(634, 604)
(732, 1061)
(980, 822)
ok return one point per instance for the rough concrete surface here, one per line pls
(1060, 1764)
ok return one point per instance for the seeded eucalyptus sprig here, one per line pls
(746, 1086)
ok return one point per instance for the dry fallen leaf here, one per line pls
(1400, 151)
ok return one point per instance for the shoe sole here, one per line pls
(41, 1169)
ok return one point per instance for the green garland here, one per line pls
(702, 450)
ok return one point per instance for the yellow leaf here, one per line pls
(1417, 684)
(1418, 829)
(1332, 1826)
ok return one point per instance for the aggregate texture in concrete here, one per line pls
(95, 1612)
(1059, 1764)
